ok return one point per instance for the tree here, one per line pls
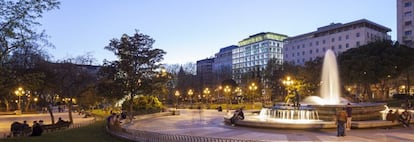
(138, 63)
(374, 63)
(18, 20)
(273, 76)
(73, 81)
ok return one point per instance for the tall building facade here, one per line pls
(405, 19)
(222, 66)
(336, 36)
(255, 51)
(205, 71)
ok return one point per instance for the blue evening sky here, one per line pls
(190, 30)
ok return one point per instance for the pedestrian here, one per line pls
(349, 116)
(340, 122)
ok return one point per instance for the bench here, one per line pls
(57, 126)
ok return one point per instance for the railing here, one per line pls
(145, 136)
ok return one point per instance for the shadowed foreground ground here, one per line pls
(92, 133)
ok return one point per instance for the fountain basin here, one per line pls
(360, 111)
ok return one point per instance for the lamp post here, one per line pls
(190, 93)
(206, 92)
(177, 94)
(252, 89)
(19, 93)
(287, 83)
(227, 90)
(238, 93)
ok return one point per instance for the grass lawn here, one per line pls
(92, 133)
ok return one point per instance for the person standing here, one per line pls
(340, 122)
(349, 116)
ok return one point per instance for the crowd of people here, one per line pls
(21, 129)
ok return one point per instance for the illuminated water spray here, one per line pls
(330, 91)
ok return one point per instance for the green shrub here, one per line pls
(144, 105)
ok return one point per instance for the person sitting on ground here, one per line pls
(238, 115)
(405, 118)
(15, 128)
(41, 122)
(219, 109)
(241, 114)
(60, 121)
(390, 116)
(37, 129)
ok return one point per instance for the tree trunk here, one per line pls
(26, 107)
(7, 104)
(50, 110)
(131, 116)
(70, 111)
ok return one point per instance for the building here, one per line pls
(205, 71)
(222, 66)
(405, 19)
(255, 51)
(336, 36)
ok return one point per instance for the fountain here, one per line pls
(315, 111)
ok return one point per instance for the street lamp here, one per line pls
(190, 93)
(227, 90)
(238, 93)
(19, 93)
(252, 89)
(206, 92)
(287, 83)
(177, 94)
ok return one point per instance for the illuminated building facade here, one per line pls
(336, 36)
(405, 19)
(255, 51)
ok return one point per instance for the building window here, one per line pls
(339, 46)
(297, 47)
(333, 40)
(357, 34)
(323, 49)
(303, 52)
(347, 45)
(323, 41)
(310, 44)
(310, 51)
(346, 36)
(333, 48)
(293, 54)
(407, 4)
(339, 38)
(407, 32)
(357, 43)
(407, 14)
(317, 50)
(317, 43)
(303, 45)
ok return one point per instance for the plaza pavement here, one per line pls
(7, 120)
(209, 123)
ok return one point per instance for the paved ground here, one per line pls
(209, 123)
(6, 120)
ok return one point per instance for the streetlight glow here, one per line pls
(19, 93)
